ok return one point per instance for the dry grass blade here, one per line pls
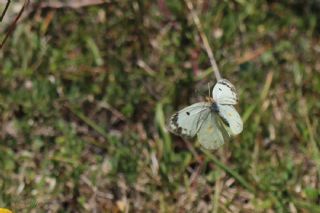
(72, 4)
(252, 54)
(89, 122)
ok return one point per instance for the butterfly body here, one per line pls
(213, 121)
(214, 107)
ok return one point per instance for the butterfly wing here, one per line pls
(212, 133)
(224, 93)
(231, 119)
(188, 121)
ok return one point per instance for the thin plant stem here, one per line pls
(5, 10)
(204, 39)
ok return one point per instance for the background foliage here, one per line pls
(85, 94)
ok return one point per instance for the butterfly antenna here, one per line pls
(197, 92)
(209, 89)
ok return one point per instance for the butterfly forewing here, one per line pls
(188, 121)
(224, 93)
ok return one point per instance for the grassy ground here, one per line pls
(85, 95)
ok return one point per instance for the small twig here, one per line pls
(249, 56)
(146, 67)
(14, 23)
(113, 110)
(204, 39)
(5, 10)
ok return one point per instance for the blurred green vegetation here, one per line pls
(85, 94)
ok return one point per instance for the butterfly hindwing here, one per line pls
(212, 134)
(224, 92)
(231, 119)
(188, 121)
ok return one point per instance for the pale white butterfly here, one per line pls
(213, 121)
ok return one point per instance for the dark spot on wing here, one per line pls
(176, 128)
(224, 83)
(195, 125)
(229, 85)
(174, 120)
(182, 132)
(214, 108)
(220, 89)
(225, 121)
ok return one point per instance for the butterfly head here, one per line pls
(209, 99)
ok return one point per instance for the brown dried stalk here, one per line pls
(14, 23)
(5, 10)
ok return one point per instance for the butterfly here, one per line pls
(213, 121)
